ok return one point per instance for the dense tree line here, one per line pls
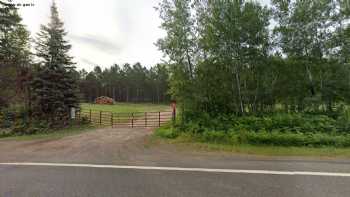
(14, 56)
(239, 57)
(38, 72)
(126, 83)
(44, 81)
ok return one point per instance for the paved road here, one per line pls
(127, 147)
(72, 181)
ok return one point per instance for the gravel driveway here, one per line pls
(103, 145)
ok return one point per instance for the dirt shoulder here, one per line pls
(99, 146)
(127, 146)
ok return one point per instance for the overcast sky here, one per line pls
(103, 32)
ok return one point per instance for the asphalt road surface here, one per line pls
(109, 163)
(81, 181)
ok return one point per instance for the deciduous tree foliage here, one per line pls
(180, 47)
(252, 59)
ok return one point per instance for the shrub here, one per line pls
(166, 132)
(289, 123)
(23, 129)
(281, 129)
(296, 139)
(84, 120)
(273, 138)
(219, 137)
(304, 123)
(5, 132)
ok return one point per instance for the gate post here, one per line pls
(173, 106)
(100, 117)
(132, 120)
(174, 116)
(112, 120)
(159, 118)
(145, 119)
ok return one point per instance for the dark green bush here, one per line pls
(19, 129)
(220, 137)
(295, 123)
(85, 121)
(274, 138)
(15, 121)
(215, 137)
(296, 139)
(314, 130)
(167, 132)
(5, 132)
(288, 123)
(24, 128)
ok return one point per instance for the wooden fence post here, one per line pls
(112, 120)
(132, 120)
(145, 119)
(159, 118)
(100, 117)
(174, 116)
(90, 116)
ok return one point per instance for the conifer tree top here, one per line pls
(52, 47)
(55, 21)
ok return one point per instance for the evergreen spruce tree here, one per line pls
(54, 85)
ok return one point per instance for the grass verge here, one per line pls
(52, 135)
(189, 142)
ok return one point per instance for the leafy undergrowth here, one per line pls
(190, 142)
(278, 122)
(15, 123)
(286, 134)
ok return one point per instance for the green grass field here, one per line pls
(126, 107)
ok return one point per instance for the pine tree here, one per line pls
(54, 85)
(14, 55)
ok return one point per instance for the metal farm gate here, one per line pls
(129, 120)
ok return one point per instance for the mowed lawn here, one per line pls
(126, 107)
